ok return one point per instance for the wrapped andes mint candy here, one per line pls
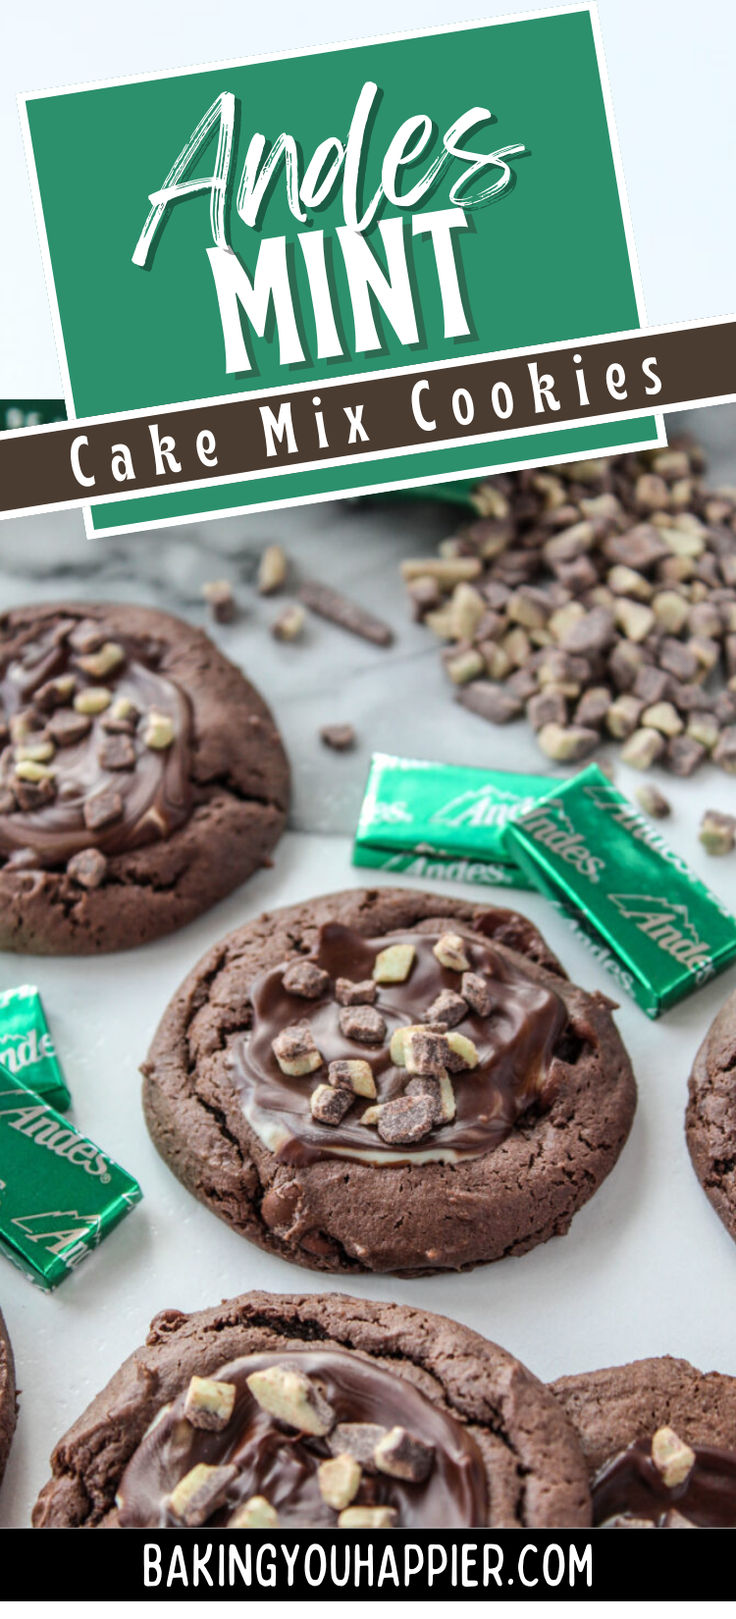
(438, 820)
(649, 918)
(59, 1193)
(26, 1047)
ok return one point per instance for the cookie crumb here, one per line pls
(346, 614)
(450, 952)
(88, 868)
(448, 1008)
(289, 626)
(438, 1089)
(220, 599)
(350, 992)
(200, 1492)
(255, 1513)
(353, 1074)
(393, 965)
(402, 1455)
(406, 1120)
(339, 1480)
(330, 1103)
(478, 993)
(652, 801)
(116, 752)
(295, 1050)
(717, 832)
(209, 1404)
(306, 979)
(338, 737)
(672, 1457)
(367, 1518)
(272, 570)
(102, 809)
(362, 1023)
(292, 1398)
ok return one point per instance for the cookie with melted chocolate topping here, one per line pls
(125, 732)
(659, 1438)
(8, 1398)
(537, 1109)
(710, 1120)
(442, 1430)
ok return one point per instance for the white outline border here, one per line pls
(588, 7)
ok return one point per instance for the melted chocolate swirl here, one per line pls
(515, 1043)
(629, 1488)
(273, 1461)
(153, 786)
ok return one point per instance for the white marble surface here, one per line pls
(647, 1267)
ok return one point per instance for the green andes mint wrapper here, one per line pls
(439, 868)
(26, 1048)
(657, 928)
(445, 821)
(59, 1194)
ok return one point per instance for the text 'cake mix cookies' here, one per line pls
(141, 777)
(388, 1081)
(318, 1411)
(710, 1121)
(8, 1398)
(659, 1438)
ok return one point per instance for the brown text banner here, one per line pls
(632, 373)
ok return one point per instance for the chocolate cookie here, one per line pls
(141, 777)
(8, 1399)
(320, 1410)
(384, 1080)
(659, 1438)
(710, 1120)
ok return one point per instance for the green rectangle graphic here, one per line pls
(419, 199)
